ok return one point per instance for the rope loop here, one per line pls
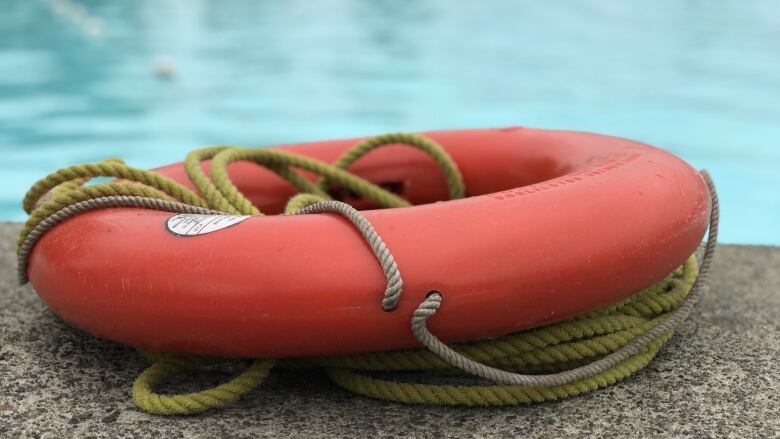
(196, 402)
(395, 284)
(76, 175)
(457, 189)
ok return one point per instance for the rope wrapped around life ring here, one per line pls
(552, 362)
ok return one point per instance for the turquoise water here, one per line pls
(148, 81)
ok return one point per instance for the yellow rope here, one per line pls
(274, 159)
(189, 403)
(82, 193)
(449, 169)
(109, 169)
(550, 348)
(416, 393)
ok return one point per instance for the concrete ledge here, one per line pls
(717, 377)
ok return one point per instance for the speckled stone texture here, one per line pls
(717, 377)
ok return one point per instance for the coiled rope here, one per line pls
(555, 361)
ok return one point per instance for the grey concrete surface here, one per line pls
(718, 377)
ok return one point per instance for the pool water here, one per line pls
(149, 81)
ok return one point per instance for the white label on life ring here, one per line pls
(186, 224)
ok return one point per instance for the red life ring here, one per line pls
(557, 223)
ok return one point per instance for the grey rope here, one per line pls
(431, 305)
(393, 275)
(94, 204)
(395, 284)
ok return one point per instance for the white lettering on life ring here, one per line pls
(195, 224)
